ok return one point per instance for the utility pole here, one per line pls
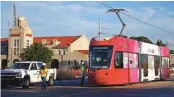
(99, 33)
(9, 24)
(117, 11)
(100, 27)
(14, 13)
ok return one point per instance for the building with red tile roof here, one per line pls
(84, 51)
(66, 49)
(63, 41)
(171, 58)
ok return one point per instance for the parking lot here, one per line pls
(71, 88)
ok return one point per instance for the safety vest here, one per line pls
(43, 72)
(83, 68)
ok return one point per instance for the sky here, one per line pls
(76, 18)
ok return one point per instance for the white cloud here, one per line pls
(1, 14)
(36, 19)
(149, 13)
(71, 8)
(76, 8)
(143, 13)
(32, 4)
(160, 8)
(75, 19)
(170, 41)
(63, 23)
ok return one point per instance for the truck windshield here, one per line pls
(100, 56)
(20, 66)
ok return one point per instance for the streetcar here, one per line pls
(118, 60)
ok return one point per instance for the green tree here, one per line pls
(171, 51)
(141, 38)
(123, 36)
(160, 43)
(37, 52)
(134, 38)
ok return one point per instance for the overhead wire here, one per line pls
(137, 19)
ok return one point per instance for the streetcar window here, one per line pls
(133, 60)
(165, 62)
(100, 56)
(119, 60)
(151, 62)
(157, 62)
(144, 61)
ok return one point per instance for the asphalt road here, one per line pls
(71, 88)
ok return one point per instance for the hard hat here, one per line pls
(43, 64)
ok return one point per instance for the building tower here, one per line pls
(20, 36)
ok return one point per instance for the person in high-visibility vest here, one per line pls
(43, 73)
(83, 72)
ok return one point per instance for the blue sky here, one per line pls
(77, 18)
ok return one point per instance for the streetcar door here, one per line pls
(157, 67)
(144, 64)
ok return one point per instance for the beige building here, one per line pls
(171, 58)
(67, 49)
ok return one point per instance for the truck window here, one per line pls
(33, 66)
(20, 66)
(39, 65)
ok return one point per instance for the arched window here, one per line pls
(3, 63)
(15, 60)
(55, 64)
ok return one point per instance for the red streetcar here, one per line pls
(117, 60)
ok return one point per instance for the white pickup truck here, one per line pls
(25, 73)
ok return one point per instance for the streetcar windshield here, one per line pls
(100, 56)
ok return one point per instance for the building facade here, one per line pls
(171, 58)
(67, 50)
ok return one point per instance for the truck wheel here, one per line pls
(50, 81)
(26, 84)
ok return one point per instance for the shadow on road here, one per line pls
(76, 82)
(16, 88)
(72, 89)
